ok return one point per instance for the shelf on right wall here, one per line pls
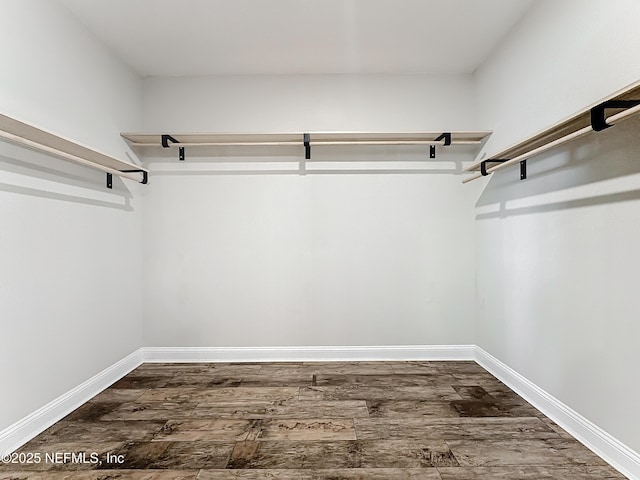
(621, 105)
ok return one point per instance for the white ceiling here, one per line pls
(207, 37)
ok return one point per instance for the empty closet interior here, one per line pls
(331, 182)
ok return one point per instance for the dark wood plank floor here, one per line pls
(308, 421)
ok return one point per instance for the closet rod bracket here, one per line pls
(446, 137)
(165, 139)
(447, 142)
(145, 175)
(483, 166)
(598, 118)
(306, 139)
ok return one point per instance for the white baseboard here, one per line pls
(24, 430)
(618, 455)
(308, 354)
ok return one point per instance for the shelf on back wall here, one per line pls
(151, 142)
(604, 114)
(35, 138)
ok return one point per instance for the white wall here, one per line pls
(276, 103)
(235, 258)
(70, 265)
(557, 256)
(562, 57)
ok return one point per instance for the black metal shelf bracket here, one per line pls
(306, 139)
(447, 142)
(598, 118)
(165, 139)
(523, 167)
(145, 175)
(523, 170)
(446, 137)
(483, 166)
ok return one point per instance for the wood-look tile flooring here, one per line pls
(311, 421)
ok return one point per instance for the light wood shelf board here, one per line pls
(557, 131)
(148, 140)
(35, 138)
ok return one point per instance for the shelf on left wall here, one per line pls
(38, 139)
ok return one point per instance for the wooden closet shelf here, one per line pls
(35, 138)
(315, 138)
(619, 106)
(307, 140)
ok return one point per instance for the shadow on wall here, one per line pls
(589, 171)
(29, 176)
